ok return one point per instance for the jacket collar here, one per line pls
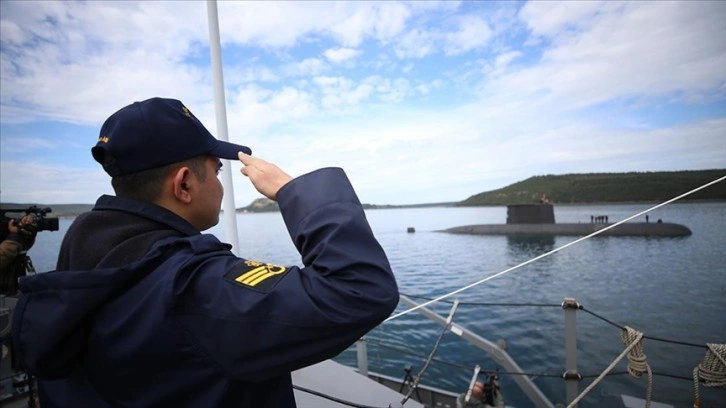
(147, 210)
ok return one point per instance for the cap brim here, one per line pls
(229, 151)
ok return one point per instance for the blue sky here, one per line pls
(418, 101)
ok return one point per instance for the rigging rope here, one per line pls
(631, 338)
(431, 355)
(712, 370)
(577, 241)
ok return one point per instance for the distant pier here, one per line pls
(539, 220)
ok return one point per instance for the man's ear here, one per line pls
(181, 185)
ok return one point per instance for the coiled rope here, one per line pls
(712, 370)
(637, 364)
(632, 339)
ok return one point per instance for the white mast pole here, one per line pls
(230, 215)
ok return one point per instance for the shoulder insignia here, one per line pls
(256, 275)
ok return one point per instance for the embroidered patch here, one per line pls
(256, 275)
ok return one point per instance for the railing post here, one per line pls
(571, 376)
(472, 382)
(362, 349)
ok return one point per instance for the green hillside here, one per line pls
(261, 205)
(605, 188)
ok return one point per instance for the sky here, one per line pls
(419, 102)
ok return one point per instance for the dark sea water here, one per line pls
(671, 288)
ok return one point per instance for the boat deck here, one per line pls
(344, 383)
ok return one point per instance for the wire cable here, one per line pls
(580, 307)
(682, 343)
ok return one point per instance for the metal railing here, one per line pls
(530, 389)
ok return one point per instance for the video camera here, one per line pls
(43, 223)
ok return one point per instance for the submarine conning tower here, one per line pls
(530, 214)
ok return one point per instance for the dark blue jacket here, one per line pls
(190, 324)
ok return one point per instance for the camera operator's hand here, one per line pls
(23, 232)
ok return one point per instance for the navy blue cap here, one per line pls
(154, 133)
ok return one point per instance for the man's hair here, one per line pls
(147, 185)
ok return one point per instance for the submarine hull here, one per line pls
(655, 229)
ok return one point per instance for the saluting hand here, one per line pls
(267, 178)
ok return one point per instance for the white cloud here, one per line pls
(415, 43)
(78, 62)
(50, 183)
(306, 67)
(416, 100)
(252, 110)
(285, 24)
(426, 88)
(235, 76)
(635, 49)
(13, 145)
(11, 32)
(472, 33)
(96, 57)
(338, 55)
(550, 19)
(502, 60)
(339, 93)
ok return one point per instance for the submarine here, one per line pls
(539, 220)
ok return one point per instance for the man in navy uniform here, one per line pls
(145, 311)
